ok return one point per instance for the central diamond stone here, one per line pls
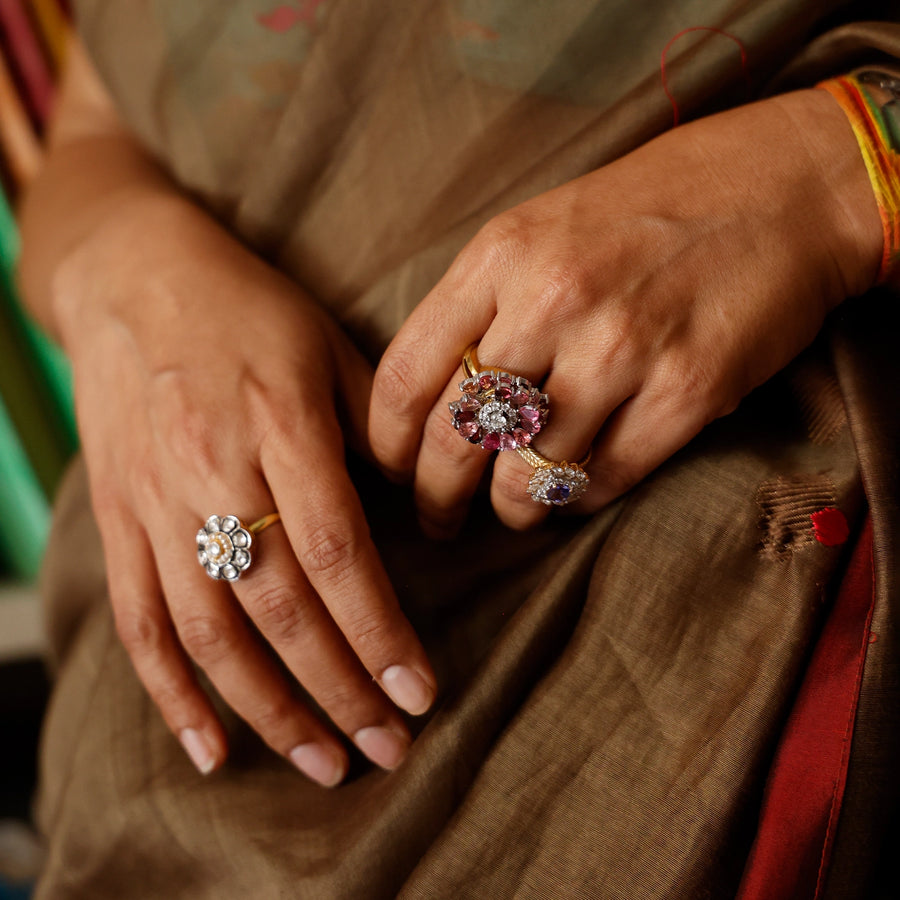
(496, 416)
(218, 547)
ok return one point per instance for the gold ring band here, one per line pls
(471, 365)
(263, 523)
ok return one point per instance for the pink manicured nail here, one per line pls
(384, 747)
(319, 763)
(198, 749)
(407, 689)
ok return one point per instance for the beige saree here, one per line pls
(619, 693)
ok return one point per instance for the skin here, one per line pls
(648, 296)
(191, 401)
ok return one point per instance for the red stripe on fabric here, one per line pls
(802, 802)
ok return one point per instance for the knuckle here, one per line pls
(206, 638)
(567, 291)
(277, 610)
(690, 382)
(171, 698)
(368, 631)
(511, 484)
(616, 477)
(343, 701)
(141, 634)
(398, 381)
(273, 720)
(330, 549)
(501, 243)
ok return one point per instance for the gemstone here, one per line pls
(507, 442)
(464, 416)
(202, 537)
(486, 381)
(496, 416)
(530, 414)
(469, 430)
(491, 441)
(229, 523)
(523, 438)
(558, 493)
(503, 392)
(241, 538)
(469, 404)
(519, 398)
(469, 386)
(230, 572)
(212, 524)
(241, 559)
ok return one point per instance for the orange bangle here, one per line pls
(881, 157)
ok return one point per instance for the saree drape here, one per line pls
(615, 690)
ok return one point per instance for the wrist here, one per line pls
(849, 225)
(124, 252)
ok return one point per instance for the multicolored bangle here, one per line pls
(877, 129)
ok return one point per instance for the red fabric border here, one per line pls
(802, 802)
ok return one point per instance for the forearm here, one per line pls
(95, 175)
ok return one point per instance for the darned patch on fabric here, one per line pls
(787, 505)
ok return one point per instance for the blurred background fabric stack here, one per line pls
(37, 424)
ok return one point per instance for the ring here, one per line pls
(555, 483)
(223, 545)
(498, 410)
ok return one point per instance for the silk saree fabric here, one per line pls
(615, 690)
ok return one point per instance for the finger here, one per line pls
(353, 375)
(324, 521)
(146, 631)
(215, 633)
(422, 359)
(642, 435)
(449, 467)
(283, 605)
(585, 387)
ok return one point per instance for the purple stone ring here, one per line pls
(498, 410)
(555, 483)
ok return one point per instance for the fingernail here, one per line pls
(198, 749)
(320, 763)
(407, 689)
(384, 747)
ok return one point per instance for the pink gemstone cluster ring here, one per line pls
(223, 545)
(498, 410)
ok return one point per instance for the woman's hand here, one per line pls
(207, 382)
(647, 298)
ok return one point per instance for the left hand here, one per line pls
(647, 297)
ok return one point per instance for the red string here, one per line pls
(662, 63)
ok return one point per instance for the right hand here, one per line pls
(207, 382)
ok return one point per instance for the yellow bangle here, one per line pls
(881, 158)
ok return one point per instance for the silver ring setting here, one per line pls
(555, 483)
(223, 548)
(498, 410)
(558, 484)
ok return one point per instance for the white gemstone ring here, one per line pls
(555, 483)
(497, 410)
(223, 545)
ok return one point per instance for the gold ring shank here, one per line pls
(538, 461)
(470, 363)
(263, 523)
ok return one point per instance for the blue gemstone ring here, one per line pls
(555, 483)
